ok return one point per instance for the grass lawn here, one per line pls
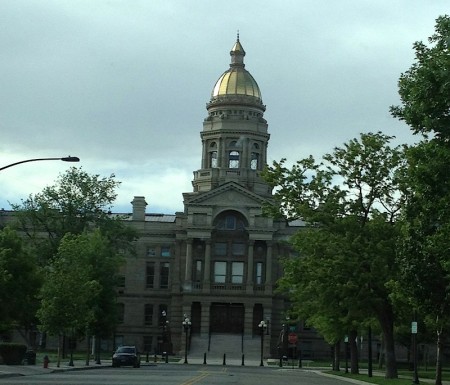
(406, 377)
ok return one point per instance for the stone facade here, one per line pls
(217, 262)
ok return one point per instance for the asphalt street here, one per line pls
(177, 375)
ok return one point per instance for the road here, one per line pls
(179, 375)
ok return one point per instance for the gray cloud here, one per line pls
(123, 84)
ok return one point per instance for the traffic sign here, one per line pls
(292, 338)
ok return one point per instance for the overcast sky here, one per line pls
(123, 84)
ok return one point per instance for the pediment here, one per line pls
(230, 194)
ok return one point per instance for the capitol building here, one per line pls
(217, 262)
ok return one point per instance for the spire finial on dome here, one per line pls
(237, 53)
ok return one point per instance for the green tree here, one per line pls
(78, 295)
(425, 99)
(19, 283)
(424, 88)
(351, 203)
(76, 203)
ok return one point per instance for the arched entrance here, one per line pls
(227, 318)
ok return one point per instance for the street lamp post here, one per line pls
(64, 159)
(262, 330)
(186, 326)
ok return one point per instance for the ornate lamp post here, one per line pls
(186, 326)
(65, 159)
(262, 330)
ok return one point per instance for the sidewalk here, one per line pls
(31, 370)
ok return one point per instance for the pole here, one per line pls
(369, 342)
(414, 343)
(65, 159)
(186, 343)
(262, 346)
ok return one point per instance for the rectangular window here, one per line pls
(148, 314)
(150, 275)
(164, 276)
(238, 249)
(120, 313)
(198, 274)
(220, 272)
(237, 272)
(151, 252)
(220, 249)
(258, 273)
(165, 251)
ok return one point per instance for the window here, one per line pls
(220, 248)
(198, 271)
(148, 314)
(150, 275)
(237, 272)
(213, 159)
(151, 252)
(220, 272)
(254, 161)
(258, 275)
(165, 251)
(164, 276)
(238, 249)
(233, 159)
(120, 313)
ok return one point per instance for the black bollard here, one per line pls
(224, 359)
(243, 356)
(204, 358)
(146, 358)
(155, 358)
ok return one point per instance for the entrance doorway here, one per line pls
(227, 318)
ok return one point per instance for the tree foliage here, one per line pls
(425, 87)
(351, 202)
(76, 203)
(425, 95)
(78, 294)
(19, 282)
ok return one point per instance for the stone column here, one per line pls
(204, 328)
(249, 283)
(207, 269)
(248, 320)
(188, 271)
(268, 282)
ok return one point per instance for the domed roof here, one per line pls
(237, 80)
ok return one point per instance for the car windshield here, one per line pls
(125, 349)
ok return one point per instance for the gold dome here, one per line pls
(237, 80)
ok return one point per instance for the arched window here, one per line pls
(233, 159)
(254, 161)
(213, 155)
(213, 159)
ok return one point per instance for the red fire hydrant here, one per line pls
(46, 361)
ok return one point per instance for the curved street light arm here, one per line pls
(65, 159)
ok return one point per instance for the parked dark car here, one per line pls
(126, 356)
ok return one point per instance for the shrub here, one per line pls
(12, 353)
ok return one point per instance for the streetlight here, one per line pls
(186, 325)
(262, 330)
(64, 159)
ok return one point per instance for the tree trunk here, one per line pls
(88, 348)
(381, 356)
(354, 361)
(386, 320)
(58, 361)
(336, 356)
(439, 359)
